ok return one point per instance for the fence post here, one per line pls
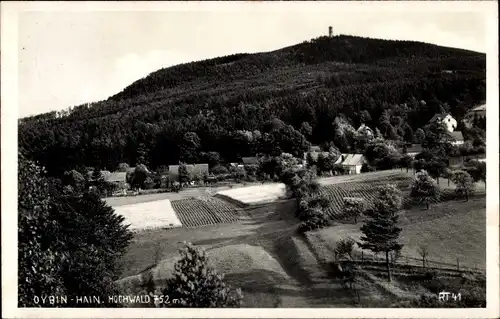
(362, 257)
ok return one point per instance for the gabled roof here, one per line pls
(341, 158)
(188, 166)
(479, 108)
(250, 160)
(353, 159)
(414, 148)
(315, 148)
(457, 135)
(105, 174)
(117, 177)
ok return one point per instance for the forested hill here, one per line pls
(225, 104)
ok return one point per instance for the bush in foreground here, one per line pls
(194, 284)
(424, 189)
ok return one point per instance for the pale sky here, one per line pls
(67, 58)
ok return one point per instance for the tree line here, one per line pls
(158, 121)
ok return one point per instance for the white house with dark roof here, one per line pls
(447, 120)
(367, 130)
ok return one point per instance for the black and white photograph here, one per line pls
(285, 157)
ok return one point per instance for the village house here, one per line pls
(366, 130)
(477, 112)
(353, 163)
(458, 138)
(413, 150)
(119, 179)
(105, 174)
(341, 158)
(447, 120)
(253, 160)
(198, 170)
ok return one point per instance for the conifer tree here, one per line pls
(380, 231)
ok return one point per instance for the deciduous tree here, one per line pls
(464, 183)
(424, 189)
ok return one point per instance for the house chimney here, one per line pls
(330, 31)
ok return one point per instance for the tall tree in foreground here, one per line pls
(68, 245)
(194, 284)
(39, 264)
(380, 231)
(464, 183)
(424, 189)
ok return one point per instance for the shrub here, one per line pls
(195, 284)
(123, 167)
(219, 170)
(424, 189)
(183, 174)
(344, 247)
(365, 168)
(237, 173)
(149, 183)
(313, 219)
(251, 170)
(464, 183)
(74, 179)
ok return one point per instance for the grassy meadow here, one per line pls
(262, 252)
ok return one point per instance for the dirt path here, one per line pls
(311, 285)
(272, 228)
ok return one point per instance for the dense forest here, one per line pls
(281, 101)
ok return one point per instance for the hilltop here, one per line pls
(224, 105)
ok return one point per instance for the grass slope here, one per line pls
(449, 230)
(276, 267)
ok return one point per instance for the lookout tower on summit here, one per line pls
(330, 31)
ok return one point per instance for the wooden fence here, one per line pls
(405, 261)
